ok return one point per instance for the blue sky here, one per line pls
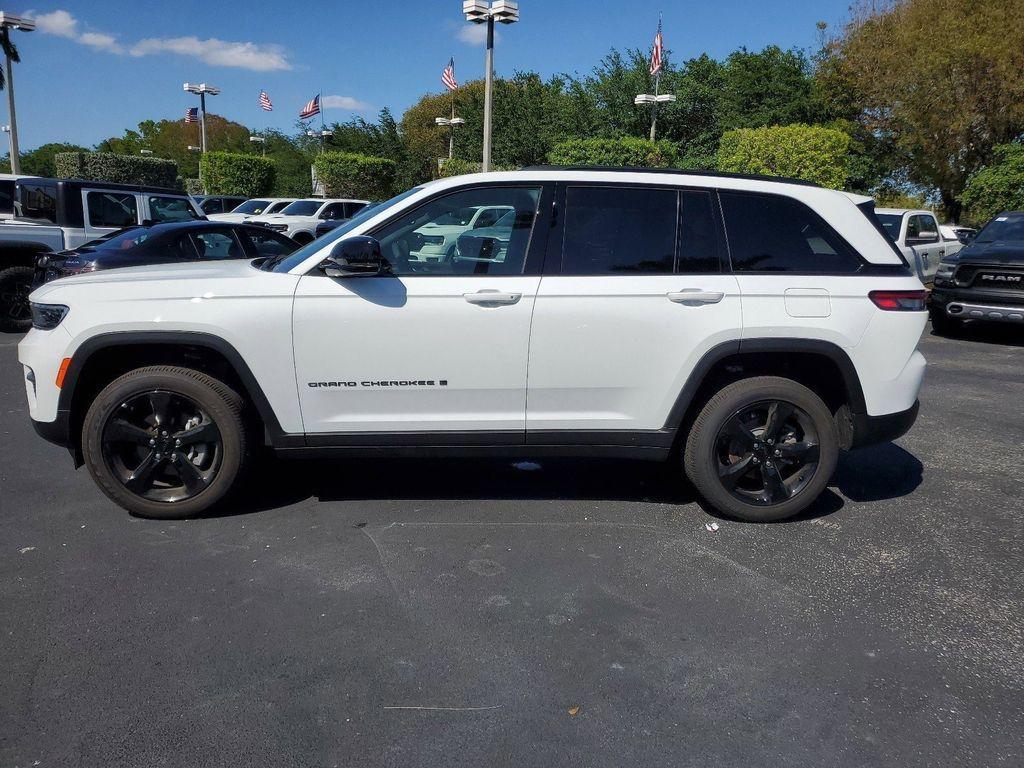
(96, 68)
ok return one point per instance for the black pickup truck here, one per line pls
(984, 280)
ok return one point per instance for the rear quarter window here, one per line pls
(773, 233)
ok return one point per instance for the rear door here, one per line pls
(107, 211)
(633, 294)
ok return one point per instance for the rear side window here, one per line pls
(617, 230)
(698, 234)
(38, 201)
(772, 233)
(112, 209)
(6, 197)
(170, 209)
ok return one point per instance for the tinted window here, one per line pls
(698, 234)
(37, 201)
(270, 243)
(771, 233)
(333, 211)
(891, 223)
(251, 206)
(122, 241)
(351, 209)
(1007, 227)
(277, 207)
(929, 226)
(6, 197)
(177, 248)
(217, 244)
(618, 230)
(418, 243)
(213, 205)
(302, 208)
(170, 209)
(111, 209)
(914, 226)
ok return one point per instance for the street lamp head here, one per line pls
(665, 97)
(11, 21)
(644, 98)
(457, 121)
(209, 90)
(259, 139)
(5, 128)
(192, 148)
(442, 121)
(476, 11)
(505, 11)
(145, 151)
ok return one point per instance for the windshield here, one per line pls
(251, 206)
(891, 223)
(1007, 228)
(284, 265)
(302, 208)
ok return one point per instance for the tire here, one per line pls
(15, 286)
(944, 325)
(140, 467)
(729, 445)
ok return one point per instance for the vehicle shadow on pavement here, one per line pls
(874, 474)
(1005, 335)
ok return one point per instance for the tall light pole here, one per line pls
(202, 89)
(654, 99)
(482, 12)
(451, 122)
(323, 134)
(7, 23)
(261, 140)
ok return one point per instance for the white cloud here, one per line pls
(221, 53)
(475, 34)
(344, 102)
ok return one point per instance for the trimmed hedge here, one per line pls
(997, 187)
(808, 152)
(457, 167)
(628, 151)
(119, 169)
(347, 174)
(233, 173)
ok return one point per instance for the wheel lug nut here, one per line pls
(159, 456)
(177, 443)
(163, 434)
(152, 442)
(778, 453)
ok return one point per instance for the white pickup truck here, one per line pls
(53, 215)
(917, 235)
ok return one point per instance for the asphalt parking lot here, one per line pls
(579, 613)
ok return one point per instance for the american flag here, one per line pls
(657, 51)
(312, 109)
(265, 103)
(192, 115)
(448, 76)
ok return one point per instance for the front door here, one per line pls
(432, 346)
(641, 294)
(107, 211)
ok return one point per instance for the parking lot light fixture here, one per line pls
(8, 22)
(194, 148)
(262, 141)
(482, 12)
(653, 100)
(202, 90)
(450, 123)
(145, 151)
(322, 134)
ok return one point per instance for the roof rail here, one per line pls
(686, 171)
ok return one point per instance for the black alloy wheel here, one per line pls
(767, 452)
(15, 287)
(162, 446)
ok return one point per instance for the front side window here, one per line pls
(619, 230)
(440, 238)
(214, 245)
(37, 201)
(213, 205)
(351, 209)
(333, 211)
(163, 209)
(773, 233)
(891, 223)
(270, 243)
(914, 226)
(112, 209)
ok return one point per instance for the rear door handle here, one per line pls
(695, 296)
(492, 297)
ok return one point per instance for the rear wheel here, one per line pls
(165, 442)
(15, 286)
(762, 449)
(944, 325)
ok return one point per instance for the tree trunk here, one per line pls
(951, 205)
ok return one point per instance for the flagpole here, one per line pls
(654, 106)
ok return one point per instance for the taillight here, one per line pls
(899, 301)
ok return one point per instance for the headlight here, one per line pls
(46, 317)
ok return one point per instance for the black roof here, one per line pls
(686, 171)
(105, 185)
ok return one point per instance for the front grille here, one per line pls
(992, 278)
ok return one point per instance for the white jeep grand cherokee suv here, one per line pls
(745, 329)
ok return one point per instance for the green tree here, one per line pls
(812, 153)
(348, 174)
(39, 161)
(939, 79)
(234, 173)
(627, 151)
(997, 187)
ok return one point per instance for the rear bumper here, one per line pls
(871, 430)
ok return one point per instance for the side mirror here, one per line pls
(924, 238)
(355, 257)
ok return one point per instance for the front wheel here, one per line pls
(944, 325)
(15, 286)
(165, 442)
(762, 449)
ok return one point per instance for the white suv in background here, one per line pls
(438, 240)
(251, 208)
(744, 329)
(299, 219)
(918, 236)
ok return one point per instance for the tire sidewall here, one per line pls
(15, 274)
(700, 459)
(215, 400)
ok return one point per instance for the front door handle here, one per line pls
(695, 296)
(492, 297)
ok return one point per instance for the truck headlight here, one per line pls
(945, 272)
(46, 317)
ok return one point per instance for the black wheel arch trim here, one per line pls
(727, 349)
(89, 347)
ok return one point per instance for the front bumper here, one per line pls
(965, 304)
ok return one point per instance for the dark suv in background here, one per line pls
(984, 280)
